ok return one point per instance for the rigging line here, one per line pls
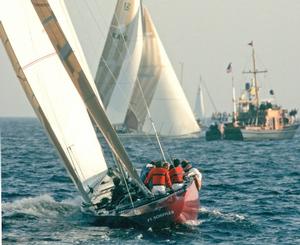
(142, 92)
(74, 162)
(124, 178)
(139, 84)
(209, 96)
(104, 21)
(117, 48)
(74, 158)
(73, 34)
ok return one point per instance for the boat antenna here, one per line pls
(229, 70)
(254, 72)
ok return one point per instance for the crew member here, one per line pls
(176, 175)
(190, 171)
(117, 193)
(146, 169)
(160, 179)
(166, 165)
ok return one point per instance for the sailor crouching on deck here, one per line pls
(176, 173)
(160, 179)
(190, 171)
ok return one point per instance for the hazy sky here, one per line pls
(206, 36)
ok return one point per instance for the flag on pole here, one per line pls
(251, 43)
(229, 68)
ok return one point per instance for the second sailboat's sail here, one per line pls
(120, 60)
(158, 88)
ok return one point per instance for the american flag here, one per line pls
(229, 68)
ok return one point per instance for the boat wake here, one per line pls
(40, 207)
(215, 213)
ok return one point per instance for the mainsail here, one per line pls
(120, 59)
(52, 95)
(163, 94)
(84, 88)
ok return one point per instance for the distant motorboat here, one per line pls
(255, 120)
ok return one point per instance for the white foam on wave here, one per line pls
(193, 222)
(226, 216)
(39, 206)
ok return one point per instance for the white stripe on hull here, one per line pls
(281, 134)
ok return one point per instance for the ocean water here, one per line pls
(250, 193)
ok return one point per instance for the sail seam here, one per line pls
(38, 60)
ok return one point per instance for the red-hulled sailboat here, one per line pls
(179, 207)
(67, 105)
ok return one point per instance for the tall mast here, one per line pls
(234, 100)
(254, 72)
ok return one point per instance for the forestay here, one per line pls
(52, 94)
(119, 63)
(164, 96)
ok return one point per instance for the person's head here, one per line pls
(166, 165)
(171, 166)
(186, 165)
(158, 164)
(149, 165)
(152, 162)
(176, 162)
(116, 181)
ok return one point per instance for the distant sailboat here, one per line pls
(199, 110)
(63, 99)
(162, 91)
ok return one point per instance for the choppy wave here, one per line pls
(250, 192)
(219, 214)
(41, 206)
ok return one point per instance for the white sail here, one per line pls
(52, 94)
(84, 88)
(165, 98)
(91, 20)
(199, 110)
(120, 60)
(63, 17)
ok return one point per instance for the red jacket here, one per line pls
(159, 176)
(176, 175)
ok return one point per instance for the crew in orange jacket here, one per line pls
(160, 179)
(176, 173)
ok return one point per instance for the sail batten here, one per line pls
(84, 88)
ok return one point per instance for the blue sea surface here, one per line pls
(250, 192)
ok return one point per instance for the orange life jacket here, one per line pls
(159, 176)
(176, 174)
